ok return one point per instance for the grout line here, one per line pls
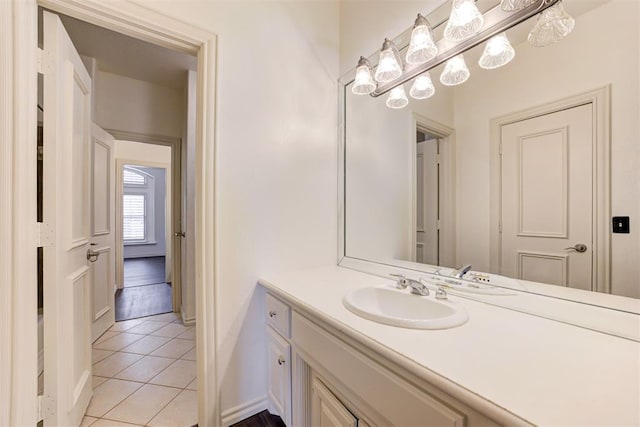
(174, 360)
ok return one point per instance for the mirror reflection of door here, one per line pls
(427, 198)
(547, 198)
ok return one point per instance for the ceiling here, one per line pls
(120, 54)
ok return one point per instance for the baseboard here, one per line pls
(243, 411)
(187, 321)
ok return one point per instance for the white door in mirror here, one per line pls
(547, 198)
(395, 307)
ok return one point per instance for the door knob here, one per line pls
(92, 256)
(579, 247)
(179, 233)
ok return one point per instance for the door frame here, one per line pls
(19, 233)
(600, 98)
(447, 187)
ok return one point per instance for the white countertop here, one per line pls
(543, 371)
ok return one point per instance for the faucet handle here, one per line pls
(441, 293)
(400, 280)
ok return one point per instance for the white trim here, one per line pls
(18, 298)
(601, 100)
(18, 63)
(174, 244)
(244, 410)
(187, 321)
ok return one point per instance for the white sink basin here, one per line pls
(396, 307)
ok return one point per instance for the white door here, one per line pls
(103, 264)
(547, 198)
(427, 202)
(67, 280)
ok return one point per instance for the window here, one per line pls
(130, 177)
(137, 206)
(133, 217)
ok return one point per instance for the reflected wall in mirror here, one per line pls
(519, 171)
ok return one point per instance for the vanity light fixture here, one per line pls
(455, 72)
(421, 47)
(390, 64)
(397, 98)
(465, 29)
(513, 5)
(422, 87)
(364, 83)
(553, 25)
(497, 52)
(465, 20)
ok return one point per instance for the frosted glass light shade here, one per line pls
(422, 87)
(389, 65)
(465, 20)
(421, 47)
(455, 71)
(553, 25)
(397, 98)
(363, 83)
(497, 52)
(513, 5)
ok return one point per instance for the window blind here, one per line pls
(133, 216)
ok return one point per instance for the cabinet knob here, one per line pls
(281, 360)
(272, 313)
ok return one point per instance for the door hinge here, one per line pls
(45, 62)
(439, 224)
(500, 149)
(499, 226)
(438, 159)
(46, 406)
(44, 235)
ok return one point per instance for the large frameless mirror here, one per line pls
(528, 173)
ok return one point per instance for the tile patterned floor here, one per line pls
(144, 375)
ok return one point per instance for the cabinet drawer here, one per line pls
(278, 315)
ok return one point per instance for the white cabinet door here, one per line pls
(102, 232)
(279, 352)
(67, 282)
(327, 410)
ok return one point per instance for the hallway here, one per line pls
(144, 374)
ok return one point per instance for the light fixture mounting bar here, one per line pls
(496, 21)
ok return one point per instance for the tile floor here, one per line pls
(144, 374)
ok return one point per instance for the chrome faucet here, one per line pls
(459, 273)
(417, 288)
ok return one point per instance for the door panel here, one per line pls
(327, 410)
(102, 234)
(67, 282)
(547, 198)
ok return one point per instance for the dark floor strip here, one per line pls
(261, 419)
(142, 301)
(144, 271)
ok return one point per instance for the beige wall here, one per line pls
(130, 105)
(276, 161)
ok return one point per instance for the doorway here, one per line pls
(153, 356)
(144, 230)
(433, 234)
(20, 336)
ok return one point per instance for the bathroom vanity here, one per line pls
(328, 366)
